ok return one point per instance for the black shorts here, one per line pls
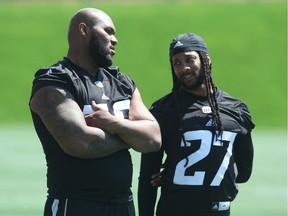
(74, 207)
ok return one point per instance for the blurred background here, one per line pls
(247, 40)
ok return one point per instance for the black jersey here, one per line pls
(199, 171)
(106, 179)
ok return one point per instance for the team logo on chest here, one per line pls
(206, 109)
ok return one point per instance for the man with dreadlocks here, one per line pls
(206, 136)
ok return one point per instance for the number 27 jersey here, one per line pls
(201, 168)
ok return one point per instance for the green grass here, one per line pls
(247, 43)
(23, 170)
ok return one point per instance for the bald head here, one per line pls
(91, 38)
(88, 16)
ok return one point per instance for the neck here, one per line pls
(84, 62)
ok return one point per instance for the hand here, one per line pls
(157, 178)
(101, 118)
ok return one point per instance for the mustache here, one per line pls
(188, 73)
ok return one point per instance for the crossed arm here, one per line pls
(141, 131)
(65, 121)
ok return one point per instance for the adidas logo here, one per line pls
(215, 207)
(49, 71)
(220, 206)
(177, 44)
(209, 123)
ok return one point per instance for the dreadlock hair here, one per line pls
(192, 42)
(211, 92)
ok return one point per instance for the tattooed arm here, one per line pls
(65, 121)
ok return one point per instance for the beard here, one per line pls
(199, 81)
(99, 51)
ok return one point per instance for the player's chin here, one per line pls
(188, 83)
(106, 61)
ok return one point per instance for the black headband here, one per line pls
(187, 42)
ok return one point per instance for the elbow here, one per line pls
(148, 146)
(156, 146)
(242, 179)
(151, 141)
(156, 141)
(243, 176)
(153, 146)
(244, 171)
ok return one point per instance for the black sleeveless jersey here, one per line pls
(106, 179)
(199, 171)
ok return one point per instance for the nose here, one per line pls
(114, 40)
(186, 67)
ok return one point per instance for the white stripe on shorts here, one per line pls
(54, 207)
(65, 211)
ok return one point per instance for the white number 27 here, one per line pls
(205, 137)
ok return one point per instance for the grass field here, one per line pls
(247, 43)
(23, 189)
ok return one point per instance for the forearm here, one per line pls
(92, 143)
(141, 135)
(103, 144)
(147, 193)
(141, 131)
(65, 121)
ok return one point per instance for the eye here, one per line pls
(175, 63)
(110, 31)
(191, 58)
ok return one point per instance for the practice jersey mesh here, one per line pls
(199, 170)
(106, 179)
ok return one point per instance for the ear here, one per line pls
(83, 29)
(209, 59)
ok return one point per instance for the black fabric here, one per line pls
(76, 207)
(197, 161)
(105, 179)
